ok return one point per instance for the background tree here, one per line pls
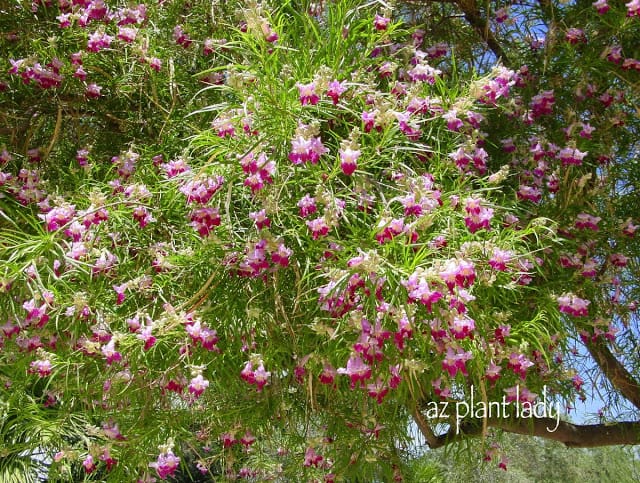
(263, 238)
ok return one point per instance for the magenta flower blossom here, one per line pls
(59, 216)
(93, 91)
(575, 35)
(380, 22)
(335, 90)
(88, 464)
(306, 150)
(155, 64)
(419, 291)
(571, 156)
(378, 390)
(633, 8)
(261, 377)
(166, 464)
(281, 255)
(127, 34)
(181, 37)
(462, 327)
(493, 372)
(98, 41)
(318, 227)
(500, 259)
(455, 362)
(307, 205)
(572, 305)
(36, 314)
(200, 190)
(110, 352)
(357, 370)
(146, 336)
(584, 221)
(542, 104)
(348, 160)
(42, 367)
(198, 385)
(260, 218)
(601, 6)
(311, 458)
(120, 291)
(478, 216)
(328, 374)
(501, 15)
(424, 73)
(258, 377)
(308, 94)
(519, 363)
(453, 123)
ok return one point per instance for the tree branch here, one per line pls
(621, 379)
(481, 26)
(572, 435)
(472, 15)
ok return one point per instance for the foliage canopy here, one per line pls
(243, 240)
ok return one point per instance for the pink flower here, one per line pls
(98, 41)
(381, 23)
(41, 367)
(89, 464)
(633, 8)
(127, 34)
(260, 218)
(601, 6)
(93, 91)
(200, 190)
(572, 305)
(110, 352)
(308, 94)
(500, 259)
(493, 372)
(335, 89)
(204, 220)
(585, 221)
(307, 205)
(311, 458)
(166, 464)
(261, 377)
(306, 150)
(281, 255)
(59, 216)
(328, 374)
(357, 370)
(519, 364)
(155, 64)
(377, 390)
(348, 160)
(181, 37)
(455, 362)
(198, 385)
(575, 35)
(318, 227)
(146, 336)
(462, 327)
(478, 216)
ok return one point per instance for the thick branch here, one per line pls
(572, 435)
(621, 379)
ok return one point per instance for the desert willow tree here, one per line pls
(243, 240)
